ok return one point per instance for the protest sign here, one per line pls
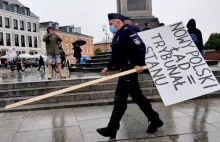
(176, 65)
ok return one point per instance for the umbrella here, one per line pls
(79, 42)
(26, 56)
(5, 57)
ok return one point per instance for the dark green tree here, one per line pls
(213, 42)
(98, 50)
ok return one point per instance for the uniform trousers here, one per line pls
(129, 85)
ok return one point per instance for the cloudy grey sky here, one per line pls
(92, 14)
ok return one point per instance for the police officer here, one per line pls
(128, 52)
(127, 22)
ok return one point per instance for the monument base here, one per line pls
(151, 20)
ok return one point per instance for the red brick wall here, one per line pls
(212, 55)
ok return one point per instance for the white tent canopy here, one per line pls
(26, 56)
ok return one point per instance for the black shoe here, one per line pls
(106, 132)
(154, 125)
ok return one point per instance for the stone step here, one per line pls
(72, 104)
(101, 60)
(92, 65)
(80, 96)
(101, 56)
(88, 103)
(44, 90)
(212, 62)
(64, 82)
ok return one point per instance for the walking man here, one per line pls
(128, 52)
(53, 52)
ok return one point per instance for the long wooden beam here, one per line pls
(35, 99)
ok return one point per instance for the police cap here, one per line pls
(127, 18)
(115, 16)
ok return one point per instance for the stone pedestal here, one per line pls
(140, 11)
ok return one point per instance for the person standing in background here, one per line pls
(147, 27)
(127, 22)
(77, 53)
(52, 41)
(196, 35)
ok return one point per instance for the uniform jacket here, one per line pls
(127, 48)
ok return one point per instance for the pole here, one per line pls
(35, 99)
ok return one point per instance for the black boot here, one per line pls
(154, 125)
(108, 132)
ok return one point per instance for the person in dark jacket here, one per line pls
(196, 35)
(146, 27)
(41, 63)
(127, 22)
(77, 52)
(128, 52)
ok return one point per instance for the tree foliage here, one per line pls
(213, 42)
(98, 50)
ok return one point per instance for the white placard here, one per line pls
(176, 65)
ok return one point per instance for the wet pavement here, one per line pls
(32, 75)
(192, 121)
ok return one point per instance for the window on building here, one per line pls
(35, 42)
(35, 52)
(0, 21)
(23, 52)
(18, 53)
(8, 39)
(30, 41)
(17, 9)
(29, 26)
(5, 5)
(22, 40)
(1, 39)
(7, 23)
(21, 25)
(15, 24)
(31, 53)
(34, 27)
(16, 40)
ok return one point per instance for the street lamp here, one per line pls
(104, 27)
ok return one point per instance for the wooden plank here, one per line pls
(52, 94)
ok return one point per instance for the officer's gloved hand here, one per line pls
(139, 69)
(105, 71)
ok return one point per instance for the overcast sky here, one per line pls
(92, 14)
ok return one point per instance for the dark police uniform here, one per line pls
(128, 51)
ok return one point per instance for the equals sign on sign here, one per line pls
(191, 79)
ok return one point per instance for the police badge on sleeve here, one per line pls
(137, 41)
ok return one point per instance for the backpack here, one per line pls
(195, 39)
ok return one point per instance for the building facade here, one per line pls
(69, 34)
(104, 45)
(19, 28)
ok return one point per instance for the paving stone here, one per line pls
(184, 125)
(9, 125)
(65, 134)
(14, 115)
(133, 129)
(7, 136)
(95, 137)
(108, 109)
(89, 113)
(2, 114)
(48, 119)
(90, 126)
(208, 116)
